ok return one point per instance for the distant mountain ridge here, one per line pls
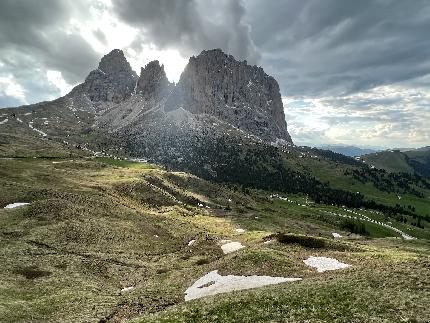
(426, 148)
(347, 150)
(416, 161)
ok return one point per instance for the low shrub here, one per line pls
(304, 241)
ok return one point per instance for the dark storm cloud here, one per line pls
(27, 71)
(34, 40)
(71, 55)
(35, 28)
(335, 47)
(20, 21)
(191, 25)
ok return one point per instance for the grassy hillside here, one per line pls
(403, 190)
(96, 226)
(420, 161)
(65, 133)
(340, 297)
(391, 161)
(413, 161)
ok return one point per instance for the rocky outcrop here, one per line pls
(113, 81)
(153, 83)
(115, 63)
(242, 95)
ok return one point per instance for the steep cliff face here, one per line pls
(113, 81)
(153, 83)
(133, 115)
(216, 84)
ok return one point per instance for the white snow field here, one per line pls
(213, 283)
(324, 263)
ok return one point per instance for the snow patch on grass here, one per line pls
(191, 242)
(14, 205)
(126, 289)
(323, 263)
(213, 283)
(37, 130)
(231, 246)
(407, 236)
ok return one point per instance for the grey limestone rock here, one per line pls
(113, 81)
(153, 83)
(245, 96)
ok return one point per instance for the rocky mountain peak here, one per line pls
(113, 80)
(216, 52)
(152, 82)
(242, 95)
(214, 86)
(115, 62)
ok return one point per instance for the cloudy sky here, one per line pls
(351, 72)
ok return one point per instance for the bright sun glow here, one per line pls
(173, 62)
(104, 32)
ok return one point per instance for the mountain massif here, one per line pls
(114, 111)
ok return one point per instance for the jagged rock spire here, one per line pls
(153, 82)
(113, 81)
(115, 62)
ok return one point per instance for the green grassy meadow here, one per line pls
(95, 226)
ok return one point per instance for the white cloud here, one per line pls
(99, 20)
(391, 115)
(10, 87)
(104, 32)
(57, 80)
